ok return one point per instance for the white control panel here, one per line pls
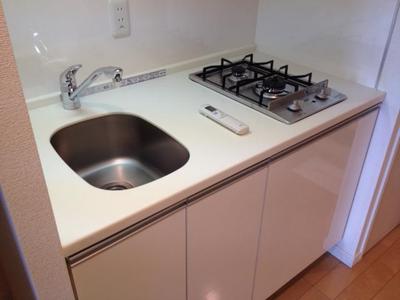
(224, 119)
(119, 18)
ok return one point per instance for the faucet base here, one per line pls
(71, 104)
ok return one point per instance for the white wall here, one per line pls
(341, 37)
(26, 218)
(377, 164)
(78, 31)
(388, 214)
(378, 161)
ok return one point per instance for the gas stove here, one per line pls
(271, 91)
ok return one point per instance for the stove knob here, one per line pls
(295, 106)
(324, 93)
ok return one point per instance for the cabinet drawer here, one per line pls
(308, 198)
(150, 265)
(222, 237)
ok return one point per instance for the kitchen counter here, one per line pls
(85, 214)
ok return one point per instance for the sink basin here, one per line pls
(118, 151)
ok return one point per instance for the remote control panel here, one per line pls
(224, 119)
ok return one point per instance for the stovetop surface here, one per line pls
(274, 92)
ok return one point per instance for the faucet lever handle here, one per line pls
(69, 73)
(68, 80)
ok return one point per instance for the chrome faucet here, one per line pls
(70, 92)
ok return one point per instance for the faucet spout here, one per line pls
(70, 92)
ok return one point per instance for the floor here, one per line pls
(376, 276)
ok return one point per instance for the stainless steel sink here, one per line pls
(118, 151)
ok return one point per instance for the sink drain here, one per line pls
(117, 186)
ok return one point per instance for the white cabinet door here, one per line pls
(222, 234)
(150, 265)
(308, 197)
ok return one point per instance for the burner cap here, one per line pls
(274, 84)
(271, 88)
(238, 71)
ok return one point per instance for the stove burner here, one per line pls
(274, 84)
(271, 88)
(239, 73)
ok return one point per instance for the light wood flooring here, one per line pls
(376, 276)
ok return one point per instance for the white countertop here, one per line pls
(85, 214)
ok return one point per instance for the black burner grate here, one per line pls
(259, 71)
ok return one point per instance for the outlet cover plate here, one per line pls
(119, 18)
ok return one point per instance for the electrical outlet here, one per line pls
(119, 18)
